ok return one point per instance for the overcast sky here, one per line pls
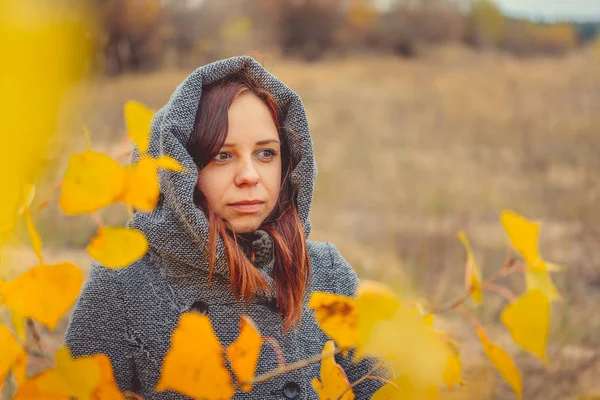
(553, 9)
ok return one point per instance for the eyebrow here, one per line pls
(259, 143)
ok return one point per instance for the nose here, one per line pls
(246, 174)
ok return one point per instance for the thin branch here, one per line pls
(48, 195)
(501, 290)
(98, 219)
(510, 266)
(375, 368)
(463, 310)
(290, 367)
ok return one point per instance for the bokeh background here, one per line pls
(428, 117)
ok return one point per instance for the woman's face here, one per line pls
(242, 182)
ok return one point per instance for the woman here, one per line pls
(237, 219)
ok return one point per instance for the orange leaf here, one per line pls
(333, 378)
(117, 247)
(142, 187)
(138, 118)
(193, 370)
(336, 316)
(92, 181)
(83, 378)
(44, 293)
(243, 353)
(503, 363)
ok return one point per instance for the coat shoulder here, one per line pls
(330, 270)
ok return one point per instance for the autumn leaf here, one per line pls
(44, 293)
(138, 119)
(375, 302)
(333, 378)
(243, 353)
(528, 320)
(193, 370)
(83, 378)
(453, 369)
(142, 186)
(540, 279)
(336, 315)
(524, 235)
(503, 363)
(169, 163)
(92, 181)
(474, 273)
(117, 247)
(390, 330)
(12, 356)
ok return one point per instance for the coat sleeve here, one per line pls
(98, 325)
(345, 283)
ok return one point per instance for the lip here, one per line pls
(247, 206)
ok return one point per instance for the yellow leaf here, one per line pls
(117, 247)
(138, 119)
(30, 29)
(193, 370)
(474, 277)
(390, 330)
(523, 235)
(44, 293)
(83, 378)
(528, 320)
(375, 302)
(92, 181)
(169, 163)
(36, 241)
(336, 315)
(12, 356)
(503, 363)
(142, 187)
(333, 378)
(243, 353)
(540, 279)
(453, 370)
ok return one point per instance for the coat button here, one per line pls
(199, 307)
(291, 390)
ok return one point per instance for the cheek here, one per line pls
(212, 187)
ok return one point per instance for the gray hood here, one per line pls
(176, 228)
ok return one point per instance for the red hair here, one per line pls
(291, 270)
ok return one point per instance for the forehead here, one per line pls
(250, 119)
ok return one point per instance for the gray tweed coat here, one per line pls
(130, 314)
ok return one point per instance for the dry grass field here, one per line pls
(412, 151)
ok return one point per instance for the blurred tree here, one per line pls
(307, 28)
(485, 25)
(131, 33)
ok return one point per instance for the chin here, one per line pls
(245, 226)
